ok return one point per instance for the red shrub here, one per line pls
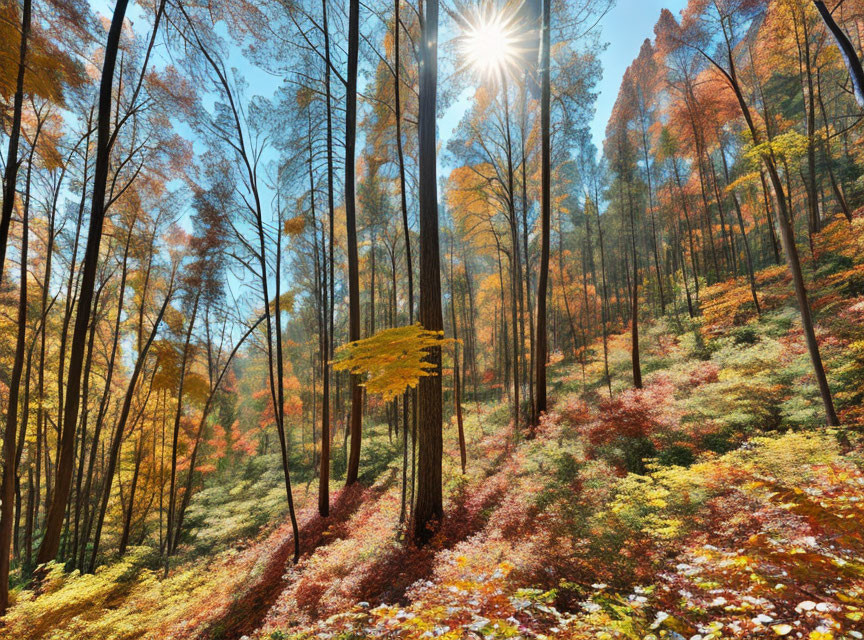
(703, 373)
(632, 424)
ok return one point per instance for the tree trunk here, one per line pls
(518, 307)
(10, 174)
(42, 426)
(280, 396)
(175, 438)
(10, 459)
(847, 51)
(54, 522)
(605, 309)
(815, 222)
(351, 227)
(406, 231)
(527, 309)
(324, 470)
(542, 349)
(634, 315)
(655, 244)
(103, 406)
(457, 382)
(826, 145)
(114, 450)
(127, 519)
(428, 506)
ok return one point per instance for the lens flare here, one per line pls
(489, 42)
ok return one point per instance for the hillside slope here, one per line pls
(710, 504)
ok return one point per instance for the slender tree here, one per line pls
(62, 483)
(10, 174)
(356, 418)
(10, 457)
(545, 212)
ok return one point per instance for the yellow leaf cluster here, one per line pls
(48, 68)
(746, 180)
(790, 145)
(393, 360)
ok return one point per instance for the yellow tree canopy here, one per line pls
(393, 360)
(48, 68)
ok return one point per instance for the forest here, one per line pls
(343, 319)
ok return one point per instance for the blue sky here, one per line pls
(624, 29)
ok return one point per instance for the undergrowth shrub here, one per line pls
(631, 425)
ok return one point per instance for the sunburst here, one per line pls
(492, 40)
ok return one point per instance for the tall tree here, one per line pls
(406, 232)
(62, 483)
(329, 280)
(10, 457)
(356, 418)
(545, 212)
(10, 173)
(429, 504)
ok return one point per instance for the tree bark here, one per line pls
(847, 51)
(10, 173)
(10, 459)
(406, 231)
(457, 382)
(545, 215)
(324, 469)
(428, 506)
(356, 420)
(54, 522)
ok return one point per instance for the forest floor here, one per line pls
(710, 504)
